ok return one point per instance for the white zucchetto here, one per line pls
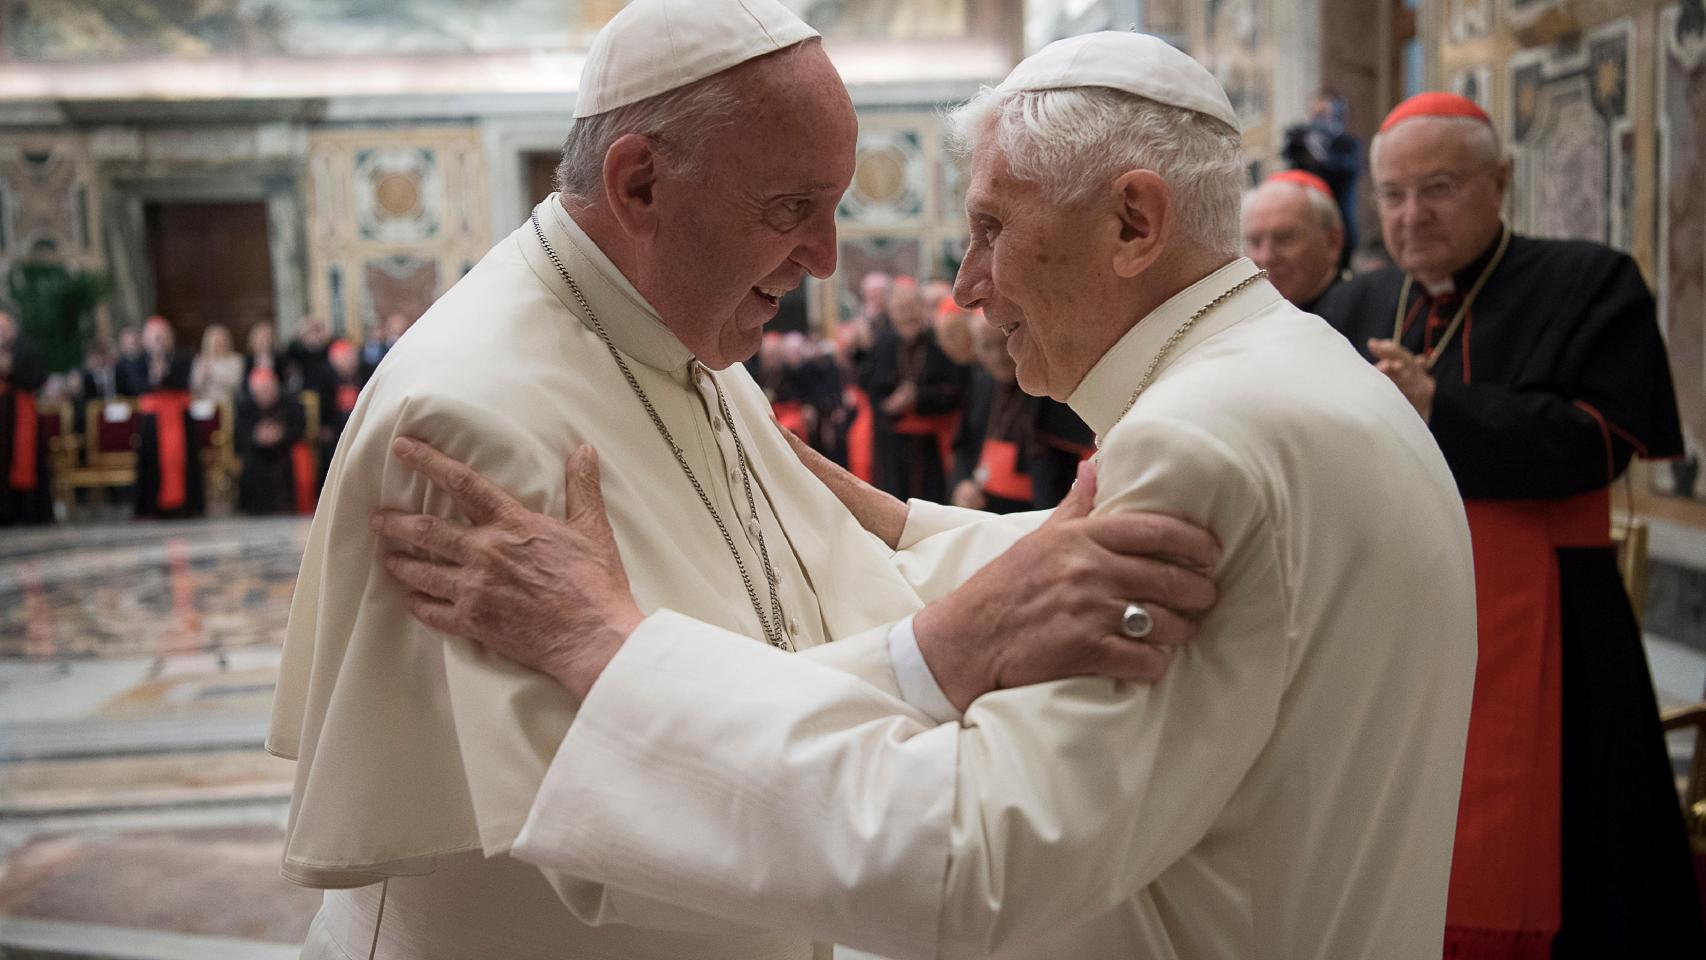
(1135, 63)
(655, 46)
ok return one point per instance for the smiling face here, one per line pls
(759, 215)
(1042, 273)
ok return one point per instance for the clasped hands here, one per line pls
(553, 595)
(1406, 371)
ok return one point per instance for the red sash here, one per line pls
(346, 397)
(942, 426)
(302, 474)
(168, 408)
(23, 475)
(791, 416)
(1504, 900)
(999, 466)
(860, 438)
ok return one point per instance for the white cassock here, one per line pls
(419, 755)
(1289, 790)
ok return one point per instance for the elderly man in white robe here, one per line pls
(1289, 788)
(699, 184)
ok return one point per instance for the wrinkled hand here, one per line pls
(549, 594)
(1050, 607)
(1406, 370)
(876, 511)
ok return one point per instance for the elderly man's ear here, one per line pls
(1145, 214)
(630, 174)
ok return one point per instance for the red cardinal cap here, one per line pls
(1302, 178)
(1435, 105)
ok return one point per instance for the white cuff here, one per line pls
(918, 685)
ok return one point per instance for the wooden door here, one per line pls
(211, 265)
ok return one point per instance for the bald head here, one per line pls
(1295, 234)
(1440, 184)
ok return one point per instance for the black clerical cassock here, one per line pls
(1548, 381)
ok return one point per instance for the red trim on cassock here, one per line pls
(792, 417)
(302, 476)
(1468, 328)
(1505, 868)
(1626, 436)
(1604, 435)
(1461, 944)
(23, 474)
(861, 438)
(171, 445)
(999, 464)
(942, 426)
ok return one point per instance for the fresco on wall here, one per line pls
(383, 236)
(55, 29)
(1572, 139)
(1470, 18)
(401, 284)
(1476, 83)
(1524, 12)
(1237, 53)
(44, 200)
(890, 179)
(88, 29)
(1681, 284)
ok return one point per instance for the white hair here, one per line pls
(1324, 209)
(676, 122)
(1077, 140)
(1482, 139)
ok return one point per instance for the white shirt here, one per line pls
(1289, 790)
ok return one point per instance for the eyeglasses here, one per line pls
(1434, 191)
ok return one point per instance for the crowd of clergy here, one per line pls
(165, 410)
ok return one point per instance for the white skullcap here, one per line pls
(655, 46)
(1133, 62)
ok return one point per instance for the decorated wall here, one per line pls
(1603, 104)
(395, 216)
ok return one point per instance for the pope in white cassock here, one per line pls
(699, 184)
(1288, 790)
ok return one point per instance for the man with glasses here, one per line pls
(1540, 370)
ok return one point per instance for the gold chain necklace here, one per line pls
(1438, 351)
(772, 625)
(1179, 334)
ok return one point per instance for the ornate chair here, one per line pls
(109, 449)
(216, 439)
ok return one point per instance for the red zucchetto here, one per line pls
(1435, 105)
(1302, 178)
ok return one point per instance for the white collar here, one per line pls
(1101, 397)
(631, 323)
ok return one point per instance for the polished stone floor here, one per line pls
(139, 815)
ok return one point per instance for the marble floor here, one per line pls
(139, 815)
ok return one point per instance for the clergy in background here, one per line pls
(26, 494)
(1292, 230)
(699, 183)
(1539, 369)
(1289, 789)
(168, 453)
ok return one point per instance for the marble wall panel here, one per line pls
(1681, 275)
(1571, 136)
(395, 216)
(47, 196)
